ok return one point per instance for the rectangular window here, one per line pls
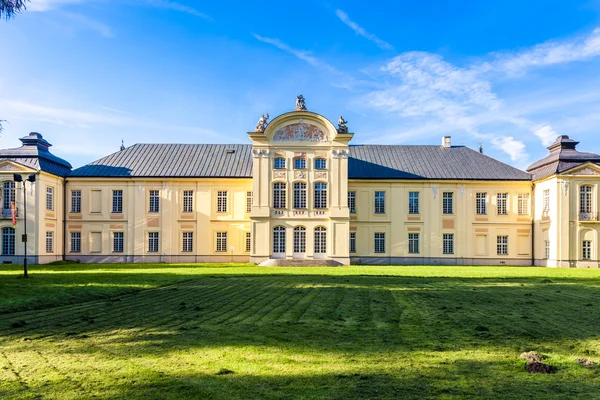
(546, 201)
(8, 195)
(188, 201)
(585, 200)
(8, 241)
(50, 198)
(221, 241)
(152, 242)
(300, 195)
(379, 202)
(221, 201)
(320, 163)
(248, 242)
(481, 203)
(75, 242)
(523, 206)
(502, 245)
(118, 242)
(300, 163)
(249, 202)
(154, 201)
(117, 201)
(75, 201)
(502, 203)
(320, 195)
(448, 203)
(413, 202)
(546, 249)
(279, 163)
(586, 250)
(413, 243)
(352, 242)
(187, 242)
(379, 242)
(352, 202)
(49, 242)
(279, 195)
(448, 243)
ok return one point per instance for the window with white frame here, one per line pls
(49, 242)
(222, 201)
(502, 203)
(448, 202)
(448, 243)
(75, 242)
(413, 202)
(320, 195)
(154, 204)
(299, 163)
(49, 198)
(249, 196)
(8, 241)
(523, 204)
(413, 243)
(279, 240)
(153, 242)
(379, 202)
(352, 202)
(320, 163)
(118, 242)
(117, 201)
(481, 203)
(279, 195)
(248, 242)
(279, 163)
(502, 245)
(221, 241)
(586, 250)
(320, 240)
(187, 242)
(546, 249)
(585, 199)
(188, 201)
(299, 239)
(8, 195)
(546, 201)
(75, 201)
(379, 242)
(352, 242)
(299, 195)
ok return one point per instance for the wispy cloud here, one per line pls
(172, 5)
(382, 44)
(47, 5)
(88, 23)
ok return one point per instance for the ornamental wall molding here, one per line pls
(585, 171)
(300, 132)
(339, 153)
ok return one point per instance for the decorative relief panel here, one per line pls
(339, 153)
(586, 171)
(9, 167)
(279, 175)
(320, 175)
(300, 132)
(300, 175)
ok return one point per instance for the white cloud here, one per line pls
(300, 54)
(89, 23)
(546, 134)
(514, 148)
(172, 5)
(47, 5)
(382, 44)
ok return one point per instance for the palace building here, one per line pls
(299, 193)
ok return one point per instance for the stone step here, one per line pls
(272, 262)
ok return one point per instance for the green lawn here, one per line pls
(173, 332)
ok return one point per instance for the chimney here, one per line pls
(446, 141)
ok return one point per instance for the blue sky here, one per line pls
(512, 74)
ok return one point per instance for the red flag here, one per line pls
(13, 210)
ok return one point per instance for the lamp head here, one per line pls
(31, 178)
(17, 178)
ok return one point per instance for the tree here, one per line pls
(8, 8)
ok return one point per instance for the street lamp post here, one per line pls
(19, 178)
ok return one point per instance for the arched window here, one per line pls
(299, 239)
(8, 194)
(299, 163)
(320, 240)
(279, 163)
(320, 195)
(279, 239)
(299, 195)
(320, 163)
(8, 242)
(279, 195)
(585, 199)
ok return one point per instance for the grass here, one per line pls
(243, 332)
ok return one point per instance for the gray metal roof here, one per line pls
(365, 162)
(34, 153)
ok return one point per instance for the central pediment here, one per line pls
(300, 132)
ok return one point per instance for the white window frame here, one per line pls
(117, 201)
(448, 203)
(448, 243)
(279, 240)
(502, 203)
(502, 245)
(153, 242)
(249, 198)
(586, 250)
(8, 241)
(187, 242)
(352, 242)
(352, 201)
(279, 195)
(279, 163)
(188, 201)
(8, 194)
(154, 201)
(413, 202)
(320, 240)
(76, 201)
(300, 195)
(299, 240)
(118, 242)
(320, 163)
(300, 163)
(49, 242)
(320, 195)
(586, 205)
(222, 201)
(221, 242)
(379, 202)
(75, 244)
(546, 201)
(248, 242)
(523, 204)
(546, 249)
(481, 203)
(49, 198)
(414, 243)
(379, 242)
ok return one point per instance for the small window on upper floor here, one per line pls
(300, 163)
(320, 163)
(279, 163)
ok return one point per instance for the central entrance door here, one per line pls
(299, 242)
(278, 242)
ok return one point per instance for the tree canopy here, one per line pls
(8, 8)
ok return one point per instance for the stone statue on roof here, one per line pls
(262, 123)
(300, 104)
(342, 128)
